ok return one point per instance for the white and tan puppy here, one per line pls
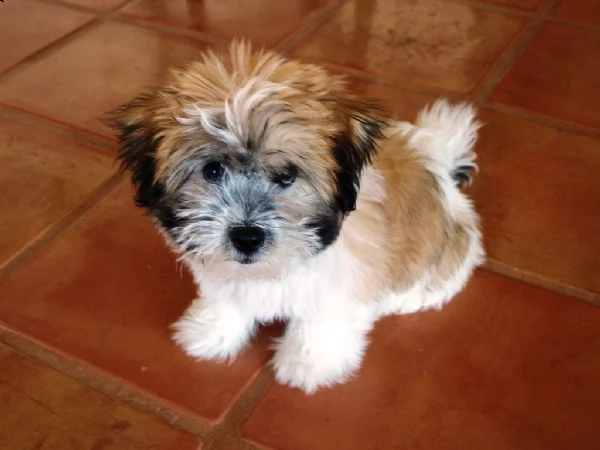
(289, 198)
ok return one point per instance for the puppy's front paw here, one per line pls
(321, 363)
(207, 335)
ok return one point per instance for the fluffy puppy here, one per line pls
(289, 198)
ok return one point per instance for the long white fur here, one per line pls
(327, 329)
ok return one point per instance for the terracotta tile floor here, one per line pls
(88, 289)
(45, 409)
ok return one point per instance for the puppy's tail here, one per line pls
(450, 132)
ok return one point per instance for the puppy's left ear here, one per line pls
(355, 147)
(139, 137)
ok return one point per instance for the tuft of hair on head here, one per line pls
(220, 83)
(355, 147)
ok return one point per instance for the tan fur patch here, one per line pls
(410, 232)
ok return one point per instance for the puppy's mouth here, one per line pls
(246, 260)
(259, 259)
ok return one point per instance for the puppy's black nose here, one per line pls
(247, 239)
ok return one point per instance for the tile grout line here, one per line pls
(508, 271)
(142, 400)
(241, 409)
(210, 436)
(241, 444)
(55, 230)
(256, 445)
(118, 15)
(249, 398)
(80, 8)
(167, 30)
(542, 120)
(504, 61)
(382, 80)
(496, 8)
(48, 48)
(29, 118)
(530, 14)
(581, 25)
(99, 18)
(108, 384)
(530, 116)
(498, 72)
(220, 41)
(308, 27)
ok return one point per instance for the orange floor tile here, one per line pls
(26, 23)
(88, 289)
(271, 22)
(560, 59)
(43, 408)
(425, 43)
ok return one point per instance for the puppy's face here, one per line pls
(249, 160)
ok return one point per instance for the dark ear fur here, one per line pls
(354, 148)
(138, 142)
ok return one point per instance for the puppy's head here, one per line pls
(247, 159)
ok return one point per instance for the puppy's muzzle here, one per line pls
(247, 239)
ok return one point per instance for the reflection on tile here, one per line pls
(43, 409)
(436, 44)
(399, 104)
(568, 86)
(103, 5)
(526, 5)
(582, 11)
(43, 177)
(263, 21)
(106, 292)
(106, 66)
(27, 26)
(533, 192)
(503, 366)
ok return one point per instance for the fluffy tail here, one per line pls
(451, 131)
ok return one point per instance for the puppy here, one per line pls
(290, 198)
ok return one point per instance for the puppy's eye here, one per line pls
(213, 172)
(287, 177)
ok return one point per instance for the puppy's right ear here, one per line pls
(139, 137)
(354, 147)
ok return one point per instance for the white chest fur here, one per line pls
(322, 283)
